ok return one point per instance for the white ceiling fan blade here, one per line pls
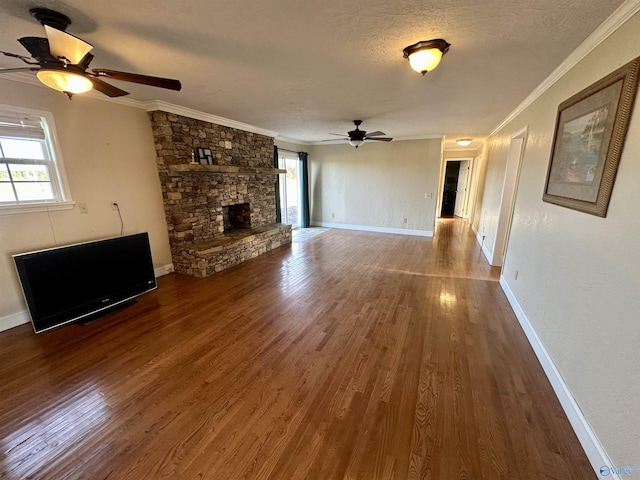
(63, 44)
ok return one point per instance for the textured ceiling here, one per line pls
(304, 68)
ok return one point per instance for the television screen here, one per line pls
(64, 284)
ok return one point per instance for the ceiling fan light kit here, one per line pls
(64, 81)
(61, 61)
(425, 55)
(357, 137)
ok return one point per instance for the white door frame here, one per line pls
(473, 185)
(465, 200)
(509, 193)
(443, 169)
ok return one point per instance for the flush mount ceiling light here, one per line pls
(425, 55)
(464, 142)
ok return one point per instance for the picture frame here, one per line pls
(590, 131)
(204, 156)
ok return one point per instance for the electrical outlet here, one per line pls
(428, 195)
(82, 208)
(404, 220)
(333, 215)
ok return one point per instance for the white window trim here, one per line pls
(55, 152)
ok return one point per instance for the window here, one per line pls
(31, 175)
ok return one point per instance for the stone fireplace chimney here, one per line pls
(222, 214)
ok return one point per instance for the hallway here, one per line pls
(351, 355)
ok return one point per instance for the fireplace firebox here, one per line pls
(236, 217)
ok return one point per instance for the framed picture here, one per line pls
(204, 155)
(590, 131)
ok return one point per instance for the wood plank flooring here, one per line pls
(351, 355)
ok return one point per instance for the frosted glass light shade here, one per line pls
(425, 55)
(464, 142)
(64, 81)
(424, 61)
(356, 143)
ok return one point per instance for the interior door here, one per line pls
(461, 189)
(449, 190)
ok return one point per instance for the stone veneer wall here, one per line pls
(193, 200)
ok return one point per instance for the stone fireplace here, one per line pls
(222, 214)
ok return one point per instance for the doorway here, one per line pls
(454, 190)
(289, 189)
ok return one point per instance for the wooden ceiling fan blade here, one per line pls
(381, 139)
(38, 47)
(63, 44)
(377, 133)
(86, 60)
(141, 79)
(104, 87)
(20, 69)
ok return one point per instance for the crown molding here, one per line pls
(207, 117)
(23, 77)
(461, 149)
(280, 138)
(623, 13)
(420, 137)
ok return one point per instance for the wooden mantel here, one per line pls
(224, 169)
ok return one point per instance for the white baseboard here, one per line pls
(365, 228)
(163, 270)
(588, 439)
(22, 317)
(485, 250)
(13, 320)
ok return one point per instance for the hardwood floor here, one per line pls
(351, 355)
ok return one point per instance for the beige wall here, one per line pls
(579, 275)
(377, 185)
(294, 147)
(109, 156)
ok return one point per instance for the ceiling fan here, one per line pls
(62, 60)
(357, 137)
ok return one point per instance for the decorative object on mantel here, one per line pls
(205, 157)
(193, 158)
(590, 132)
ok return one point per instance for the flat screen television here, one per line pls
(66, 284)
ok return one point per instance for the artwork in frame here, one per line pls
(590, 131)
(204, 156)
